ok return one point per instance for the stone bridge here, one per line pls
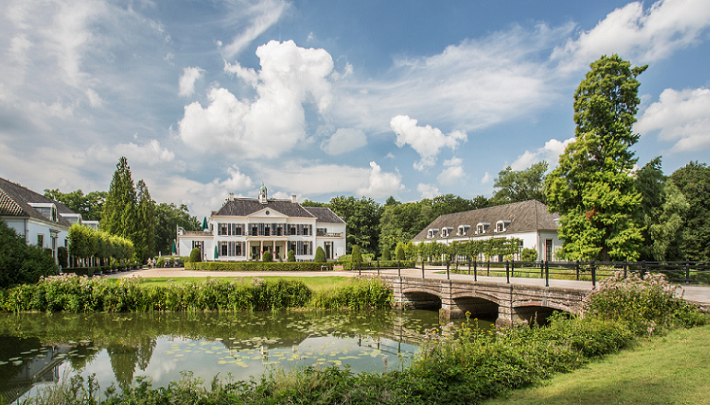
(507, 303)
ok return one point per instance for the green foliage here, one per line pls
(85, 243)
(592, 188)
(386, 255)
(167, 218)
(20, 263)
(362, 217)
(120, 215)
(693, 181)
(144, 241)
(320, 255)
(291, 256)
(516, 186)
(256, 266)
(529, 255)
(160, 263)
(62, 256)
(195, 256)
(90, 206)
(399, 251)
(361, 294)
(267, 257)
(645, 304)
(356, 255)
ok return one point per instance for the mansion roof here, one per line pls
(242, 207)
(15, 201)
(526, 216)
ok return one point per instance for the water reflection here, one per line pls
(36, 348)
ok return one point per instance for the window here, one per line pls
(292, 229)
(254, 230)
(463, 230)
(40, 240)
(502, 226)
(432, 232)
(445, 232)
(321, 231)
(482, 227)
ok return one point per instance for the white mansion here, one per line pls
(528, 221)
(245, 228)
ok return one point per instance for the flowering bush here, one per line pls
(645, 303)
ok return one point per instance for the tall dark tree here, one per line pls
(167, 218)
(592, 188)
(363, 221)
(145, 230)
(693, 180)
(515, 186)
(120, 213)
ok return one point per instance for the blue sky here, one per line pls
(326, 98)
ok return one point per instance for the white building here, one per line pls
(40, 220)
(528, 221)
(245, 228)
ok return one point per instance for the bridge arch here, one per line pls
(539, 312)
(479, 307)
(421, 299)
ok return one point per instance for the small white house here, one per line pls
(245, 228)
(528, 221)
(40, 220)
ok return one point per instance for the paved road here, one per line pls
(697, 294)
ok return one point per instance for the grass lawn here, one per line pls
(674, 369)
(314, 283)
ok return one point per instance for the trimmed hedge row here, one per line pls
(257, 266)
(391, 264)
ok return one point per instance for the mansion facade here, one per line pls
(245, 228)
(528, 221)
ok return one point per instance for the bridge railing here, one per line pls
(685, 272)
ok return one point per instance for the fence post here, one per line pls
(422, 268)
(475, 270)
(469, 265)
(547, 274)
(378, 266)
(626, 266)
(594, 275)
(643, 269)
(542, 268)
(448, 277)
(488, 268)
(512, 268)
(507, 271)
(399, 272)
(687, 271)
(576, 267)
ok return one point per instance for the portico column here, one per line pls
(261, 250)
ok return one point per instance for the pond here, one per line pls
(40, 349)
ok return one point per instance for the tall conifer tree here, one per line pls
(592, 188)
(145, 233)
(119, 215)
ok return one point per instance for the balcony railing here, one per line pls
(330, 234)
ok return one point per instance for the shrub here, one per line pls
(160, 263)
(20, 263)
(357, 256)
(256, 266)
(195, 255)
(291, 256)
(63, 256)
(267, 257)
(320, 255)
(529, 255)
(399, 251)
(386, 255)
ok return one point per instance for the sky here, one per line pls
(403, 98)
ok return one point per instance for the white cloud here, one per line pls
(273, 123)
(426, 141)
(262, 15)
(486, 178)
(381, 184)
(550, 153)
(150, 153)
(428, 190)
(309, 179)
(453, 173)
(94, 98)
(187, 80)
(344, 140)
(630, 31)
(389, 155)
(679, 116)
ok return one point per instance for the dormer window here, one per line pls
(445, 232)
(432, 233)
(463, 230)
(502, 226)
(482, 227)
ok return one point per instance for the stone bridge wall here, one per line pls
(509, 303)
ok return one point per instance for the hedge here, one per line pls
(391, 264)
(257, 266)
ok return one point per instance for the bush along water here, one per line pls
(456, 365)
(72, 293)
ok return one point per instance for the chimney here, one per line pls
(294, 199)
(231, 196)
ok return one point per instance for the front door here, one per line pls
(548, 249)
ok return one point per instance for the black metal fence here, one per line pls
(684, 272)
